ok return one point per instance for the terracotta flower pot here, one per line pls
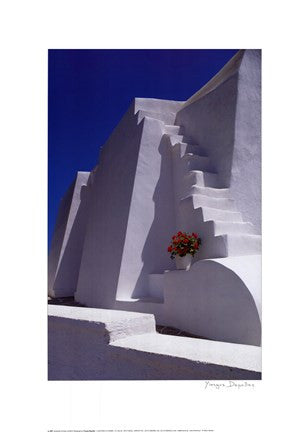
(183, 263)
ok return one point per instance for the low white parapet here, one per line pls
(98, 344)
(196, 350)
(115, 324)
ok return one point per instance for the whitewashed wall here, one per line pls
(224, 118)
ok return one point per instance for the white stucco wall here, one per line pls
(58, 236)
(131, 215)
(67, 242)
(224, 118)
(151, 218)
(108, 214)
(246, 165)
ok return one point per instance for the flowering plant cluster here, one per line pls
(183, 243)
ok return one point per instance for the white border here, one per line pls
(28, 29)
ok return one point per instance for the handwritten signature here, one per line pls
(228, 384)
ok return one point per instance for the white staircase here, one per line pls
(202, 204)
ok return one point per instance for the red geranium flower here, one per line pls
(184, 243)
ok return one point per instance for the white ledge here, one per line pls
(238, 356)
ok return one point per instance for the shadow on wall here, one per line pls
(155, 256)
(58, 235)
(67, 274)
(108, 215)
(210, 123)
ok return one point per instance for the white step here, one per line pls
(210, 213)
(210, 192)
(222, 215)
(229, 245)
(167, 118)
(172, 129)
(174, 139)
(221, 227)
(196, 352)
(191, 219)
(193, 162)
(212, 247)
(244, 244)
(184, 148)
(200, 178)
(216, 228)
(116, 323)
(217, 203)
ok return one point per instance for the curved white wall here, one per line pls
(218, 299)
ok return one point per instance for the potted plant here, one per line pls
(182, 248)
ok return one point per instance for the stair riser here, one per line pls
(216, 203)
(210, 192)
(167, 118)
(212, 247)
(174, 139)
(171, 129)
(199, 178)
(191, 220)
(195, 163)
(214, 214)
(184, 148)
(224, 246)
(233, 228)
(243, 245)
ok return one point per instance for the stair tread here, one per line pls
(177, 138)
(218, 203)
(232, 228)
(170, 126)
(219, 221)
(200, 172)
(210, 188)
(193, 148)
(189, 197)
(241, 235)
(149, 299)
(192, 155)
(170, 113)
(209, 197)
(227, 245)
(221, 210)
(162, 116)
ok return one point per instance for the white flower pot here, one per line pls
(183, 263)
